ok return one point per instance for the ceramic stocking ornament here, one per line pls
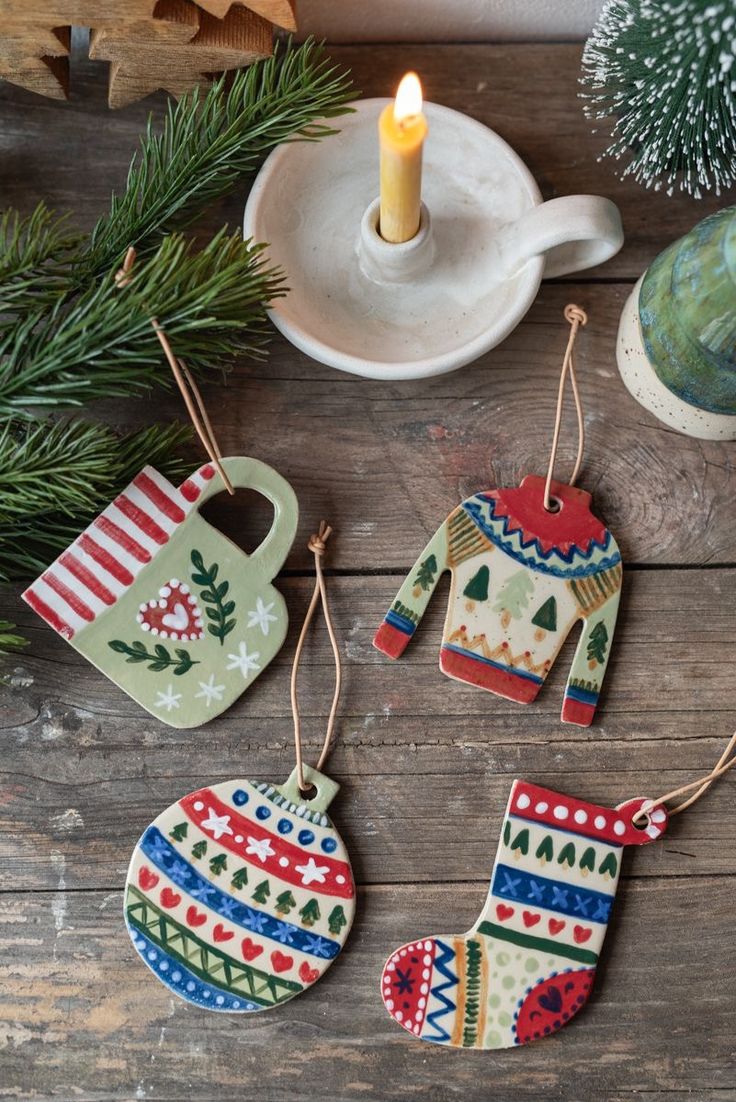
(528, 964)
(163, 603)
(526, 565)
(240, 895)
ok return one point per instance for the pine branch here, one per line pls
(210, 142)
(34, 254)
(55, 478)
(212, 305)
(9, 640)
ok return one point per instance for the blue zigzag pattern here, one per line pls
(474, 507)
(445, 957)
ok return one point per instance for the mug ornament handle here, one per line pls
(571, 232)
(252, 474)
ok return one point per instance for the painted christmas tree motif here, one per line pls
(545, 618)
(609, 867)
(285, 902)
(477, 588)
(262, 892)
(545, 850)
(310, 912)
(587, 861)
(567, 855)
(425, 575)
(513, 597)
(218, 864)
(520, 844)
(240, 878)
(179, 832)
(219, 611)
(199, 849)
(597, 645)
(336, 920)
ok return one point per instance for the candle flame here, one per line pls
(408, 102)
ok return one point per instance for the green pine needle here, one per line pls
(9, 639)
(56, 478)
(211, 141)
(211, 304)
(34, 252)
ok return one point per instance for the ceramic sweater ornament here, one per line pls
(676, 345)
(526, 565)
(240, 895)
(163, 603)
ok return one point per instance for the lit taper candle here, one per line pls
(402, 129)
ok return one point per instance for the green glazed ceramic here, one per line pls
(677, 339)
(163, 603)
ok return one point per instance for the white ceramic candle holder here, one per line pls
(457, 288)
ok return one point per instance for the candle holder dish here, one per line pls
(455, 290)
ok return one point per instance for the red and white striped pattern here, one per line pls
(106, 559)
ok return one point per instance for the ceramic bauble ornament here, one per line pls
(677, 337)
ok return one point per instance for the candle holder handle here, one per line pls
(571, 232)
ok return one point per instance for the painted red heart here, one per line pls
(555, 925)
(221, 934)
(503, 912)
(146, 878)
(249, 949)
(174, 614)
(169, 898)
(280, 961)
(581, 934)
(309, 975)
(195, 917)
(530, 919)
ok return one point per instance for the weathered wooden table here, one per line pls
(425, 763)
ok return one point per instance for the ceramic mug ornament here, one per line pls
(441, 299)
(677, 336)
(163, 603)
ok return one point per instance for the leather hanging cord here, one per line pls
(576, 317)
(724, 763)
(317, 546)
(185, 381)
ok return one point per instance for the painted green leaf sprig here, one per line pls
(160, 659)
(219, 611)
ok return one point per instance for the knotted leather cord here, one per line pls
(724, 763)
(185, 381)
(317, 546)
(576, 317)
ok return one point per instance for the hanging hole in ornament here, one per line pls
(309, 793)
(554, 505)
(641, 821)
(244, 517)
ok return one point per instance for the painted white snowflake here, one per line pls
(169, 699)
(210, 691)
(246, 663)
(261, 616)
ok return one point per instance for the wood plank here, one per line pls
(544, 123)
(80, 1017)
(386, 462)
(85, 769)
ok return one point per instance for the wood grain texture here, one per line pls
(280, 12)
(425, 763)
